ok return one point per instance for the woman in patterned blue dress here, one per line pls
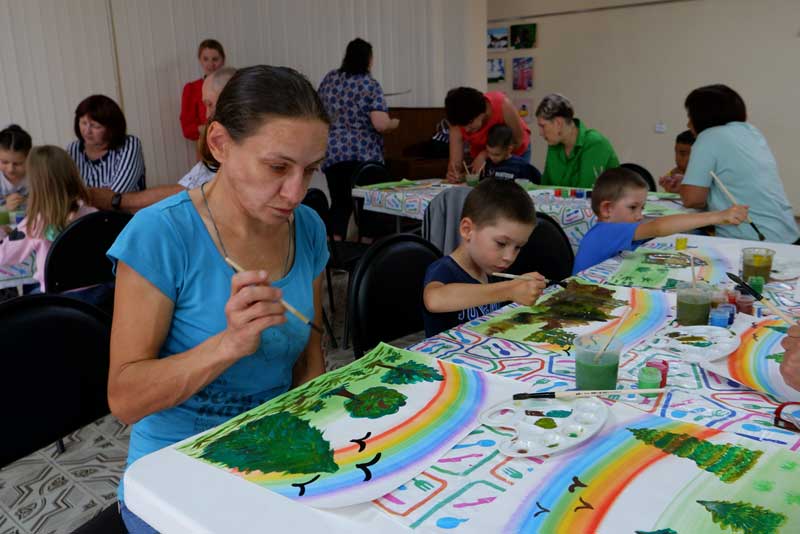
(354, 100)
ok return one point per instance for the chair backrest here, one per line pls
(317, 201)
(641, 171)
(55, 364)
(384, 297)
(442, 218)
(370, 172)
(77, 257)
(547, 252)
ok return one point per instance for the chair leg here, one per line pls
(328, 327)
(330, 288)
(346, 333)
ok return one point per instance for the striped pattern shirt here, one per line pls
(121, 170)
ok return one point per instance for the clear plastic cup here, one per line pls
(757, 261)
(593, 371)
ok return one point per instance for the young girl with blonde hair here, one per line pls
(57, 196)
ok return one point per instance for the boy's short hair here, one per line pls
(686, 137)
(612, 185)
(463, 104)
(492, 199)
(499, 136)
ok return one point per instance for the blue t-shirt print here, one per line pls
(447, 271)
(168, 245)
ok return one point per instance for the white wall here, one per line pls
(54, 53)
(626, 69)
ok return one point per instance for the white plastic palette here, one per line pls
(698, 343)
(784, 270)
(546, 426)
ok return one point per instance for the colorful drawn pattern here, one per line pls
(650, 311)
(22, 273)
(371, 455)
(756, 362)
(641, 268)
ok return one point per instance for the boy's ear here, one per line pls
(466, 227)
(605, 209)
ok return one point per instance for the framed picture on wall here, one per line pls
(524, 108)
(522, 71)
(523, 36)
(497, 38)
(495, 70)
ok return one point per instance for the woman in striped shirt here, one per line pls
(105, 155)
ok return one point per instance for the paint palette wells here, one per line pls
(546, 426)
(697, 344)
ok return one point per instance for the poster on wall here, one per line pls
(497, 38)
(495, 70)
(522, 68)
(525, 109)
(523, 36)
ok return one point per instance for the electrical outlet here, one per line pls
(661, 127)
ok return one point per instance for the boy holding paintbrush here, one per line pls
(497, 219)
(618, 198)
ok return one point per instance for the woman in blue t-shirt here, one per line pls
(354, 101)
(193, 343)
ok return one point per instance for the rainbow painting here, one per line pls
(756, 363)
(354, 434)
(645, 473)
(649, 312)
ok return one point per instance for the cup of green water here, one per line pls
(5, 218)
(595, 369)
(694, 305)
(757, 261)
(473, 179)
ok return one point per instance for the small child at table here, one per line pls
(497, 220)
(15, 143)
(501, 163)
(57, 197)
(671, 181)
(618, 198)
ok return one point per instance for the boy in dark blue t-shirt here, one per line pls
(500, 163)
(496, 221)
(618, 198)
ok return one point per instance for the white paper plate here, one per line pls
(697, 343)
(785, 270)
(546, 426)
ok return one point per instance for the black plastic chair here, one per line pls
(641, 171)
(547, 252)
(77, 257)
(384, 297)
(55, 364)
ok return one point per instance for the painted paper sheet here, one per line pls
(664, 269)
(757, 360)
(642, 473)
(555, 321)
(698, 395)
(11, 275)
(353, 434)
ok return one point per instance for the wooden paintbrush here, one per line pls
(525, 277)
(291, 309)
(733, 201)
(761, 298)
(576, 394)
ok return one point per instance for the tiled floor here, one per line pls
(51, 493)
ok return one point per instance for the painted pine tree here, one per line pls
(728, 462)
(371, 403)
(276, 443)
(744, 517)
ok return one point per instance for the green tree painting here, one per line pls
(278, 443)
(371, 403)
(743, 517)
(409, 373)
(728, 462)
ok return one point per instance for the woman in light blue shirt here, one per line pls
(194, 343)
(738, 153)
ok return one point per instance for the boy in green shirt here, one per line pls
(576, 155)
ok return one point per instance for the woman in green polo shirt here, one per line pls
(576, 155)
